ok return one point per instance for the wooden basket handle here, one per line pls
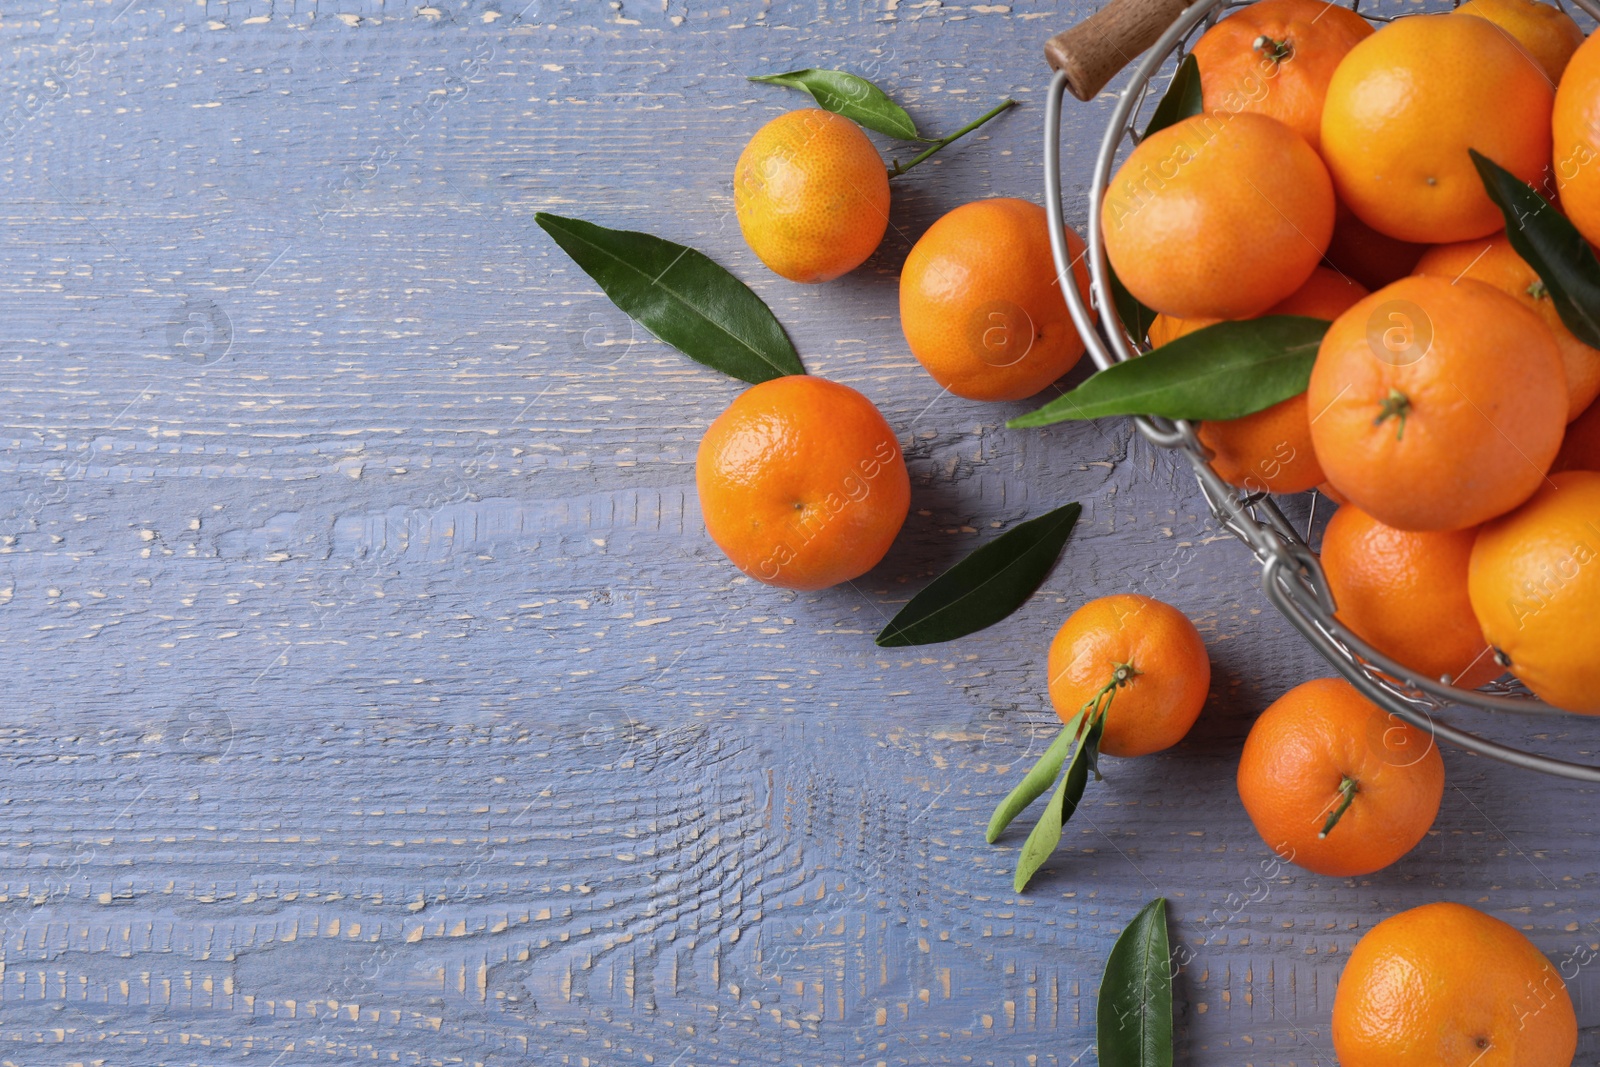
(1092, 52)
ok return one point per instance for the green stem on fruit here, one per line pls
(1394, 406)
(943, 142)
(1347, 795)
(1538, 290)
(1276, 51)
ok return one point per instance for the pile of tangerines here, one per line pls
(1450, 412)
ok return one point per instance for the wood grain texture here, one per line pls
(373, 692)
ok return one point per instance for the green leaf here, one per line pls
(990, 583)
(854, 98)
(1046, 834)
(1036, 781)
(1133, 1021)
(682, 297)
(1182, 98)
(1223, 371)
(1136, 318)
(1551, 245)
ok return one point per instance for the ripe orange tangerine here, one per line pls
(1406, 105)
(1218, 216)
(811, 195)
(802, 483)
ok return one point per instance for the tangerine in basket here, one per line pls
(980, 302)
(1276, 57)
(1337, 785)
(1535, 583)
(1374, 259)
(1576, 124)
(1445, 985)
(1270, 450)
(802, 483)
(1548, 33)
(1437, 406)
(1152, 656)
(1218, 216)
(1580, 449)
(1406, 105)
(812, 195)
(1493, 260)
(1405, 593)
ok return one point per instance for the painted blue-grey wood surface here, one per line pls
(372, 691)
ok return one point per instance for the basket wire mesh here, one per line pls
(1291, 574)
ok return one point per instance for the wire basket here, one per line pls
(1085, 58)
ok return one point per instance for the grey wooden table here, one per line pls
(373, 693)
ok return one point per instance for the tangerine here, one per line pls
(1270, 450)
(1337, 785)
(1445, 985)
(1152, 657)
(981, 306)
(1548, 34)
(1218, 216)
(1493, 260)
(802, 483)
(1275, 58)
(812, 195)
(1576, 125)
(1406, 105)
(1405, 593)
(1534, 580)
(1374, 259)
(1580, 449)
(1436, 406)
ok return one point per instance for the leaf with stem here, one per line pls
(993, 581)
(1133, 1017)
(1037, 780)
(1046, 833)
(682, 297)
(1089, 721)
(898, 168)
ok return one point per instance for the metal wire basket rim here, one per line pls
(1290, 570)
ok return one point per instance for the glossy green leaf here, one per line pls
(990, 583)
(1136, 318)
(1223, 371)
(1182, 98)
(1046, 834)
(1036, 781)
(682, 297)
(1552, 246)
(1133, 1021)
(854, 98)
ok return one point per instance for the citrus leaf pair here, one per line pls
(682, 297)
(1046, 834)
(1224, 371)
(986, 586)
(1133, 1017)
(1552, 246)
